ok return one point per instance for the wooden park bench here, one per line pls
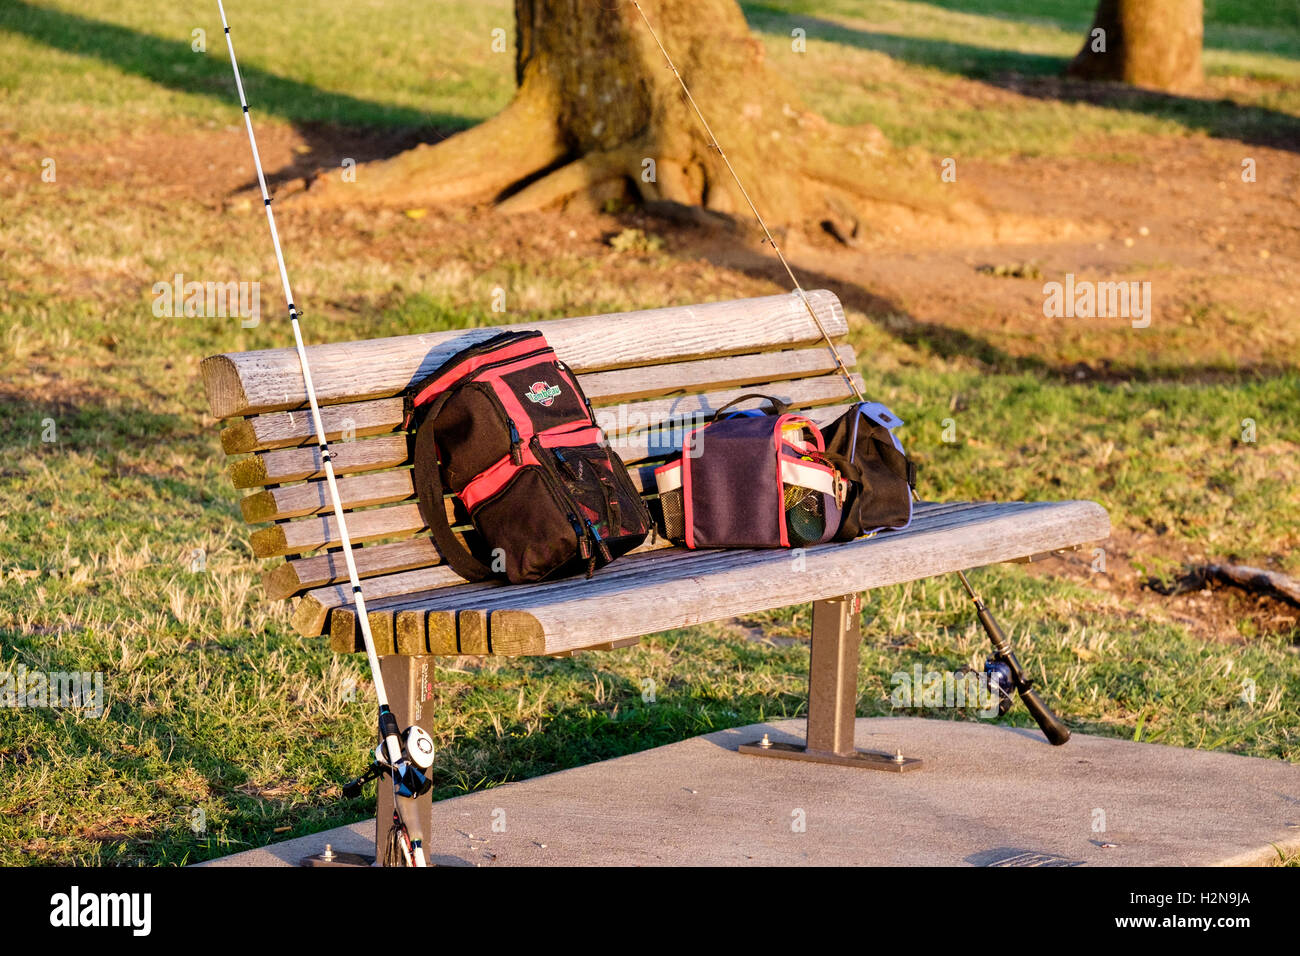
(648, 374)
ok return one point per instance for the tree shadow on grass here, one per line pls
(1040, 76)
(950, 342)
(333, 124)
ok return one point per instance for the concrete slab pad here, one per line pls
(987, 795)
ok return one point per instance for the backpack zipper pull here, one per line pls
(584, 546)
(572, 472)
(600, 542)
(516, 454)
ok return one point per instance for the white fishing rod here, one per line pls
(406, 757)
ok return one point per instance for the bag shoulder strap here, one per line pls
(429, 492)
(778, 407)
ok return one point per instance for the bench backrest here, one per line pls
(649, 374)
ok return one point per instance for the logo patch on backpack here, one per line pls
(542, 394)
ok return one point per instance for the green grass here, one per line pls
(215, 704)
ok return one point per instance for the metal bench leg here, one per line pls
(409, 681)
(833, 695)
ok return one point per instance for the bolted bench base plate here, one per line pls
(833, 696)
(862, 759)
(333, 857)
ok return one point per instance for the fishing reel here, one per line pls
(410, 773)
(1000, 681)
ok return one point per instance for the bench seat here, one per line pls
(657, 590)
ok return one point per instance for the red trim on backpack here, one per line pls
(587, 435)
(451, 377)
(494, 479)
(513, 406)
(497, 476)
(778, 441)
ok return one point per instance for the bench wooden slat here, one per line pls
(295, 464)
(286, 429)
(702, 375)
(302, 574)
(355, 491)
(408, 595)
(246, 383)
(313, 534)
(658, 413)
(660, 442)
(401, 593)
(695, 587)
(313, 609)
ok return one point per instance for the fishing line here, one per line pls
(839, 362)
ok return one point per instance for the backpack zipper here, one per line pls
(516, 452)
(557, 487)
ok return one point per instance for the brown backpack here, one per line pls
(504, 427)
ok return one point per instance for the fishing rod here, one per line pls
(1003, 668)
(405, 756)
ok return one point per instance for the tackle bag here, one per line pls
(504, 426)
(751, 480)
(862, 445)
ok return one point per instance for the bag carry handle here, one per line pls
(778, 407)
(428, 490)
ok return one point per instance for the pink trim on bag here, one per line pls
(451, 377)
(816, 432)
(514, 407)
(780, 502)
(805, 463)
(664, 470)
(688, 513)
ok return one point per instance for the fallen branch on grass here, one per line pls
(1255, 580)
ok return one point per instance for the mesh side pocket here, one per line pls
(805, 516)
(670, 502)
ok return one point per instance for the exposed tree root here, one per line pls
(480, 163)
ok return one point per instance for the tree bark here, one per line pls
(1149, 43)
(598, 115)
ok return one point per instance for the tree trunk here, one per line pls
(1149, 43)
(598, 115)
